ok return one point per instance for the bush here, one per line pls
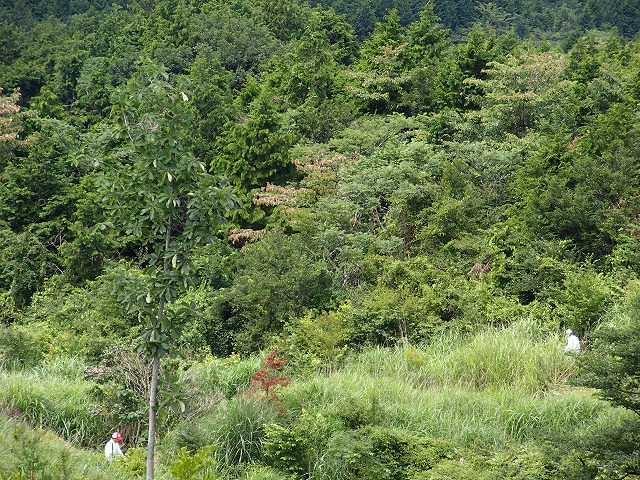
(298, 449)
(79, 321)
(317, 341)
(194, 465)
(119, 390)
(584, 299)
(374, 453)
(279, 279)
(133, 463)
(21, 346)
(612, 364)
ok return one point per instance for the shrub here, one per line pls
(199, 465)
(267, 381)
(298, 448)
(133, 463)
(359, 411)
(612, 364)
(386, 454)
(317, 341)
(584, 298)
(21, 346)
(120, 390)
(286, 449)
(79, 321)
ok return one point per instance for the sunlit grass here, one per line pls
(489, 391)
(500, 385)
(517, 358)
(53, 396)
(225, 376)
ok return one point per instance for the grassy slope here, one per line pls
(491, 403)
(494, 399)
(503, 390)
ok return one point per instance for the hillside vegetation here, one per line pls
(492, 406)
(336, 240)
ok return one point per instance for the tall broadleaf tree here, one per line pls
(158, 193)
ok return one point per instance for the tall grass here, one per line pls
(241, 429)
(498, 390)
(518, 357)
(489, 417)
(53, 396)
(499, 385)
(71, 368)
(235, 425)
(222, 376)
(32, 453)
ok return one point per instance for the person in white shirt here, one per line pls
(112, 449)
(573, 342)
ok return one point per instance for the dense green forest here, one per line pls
(320, 240)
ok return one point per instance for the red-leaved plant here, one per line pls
(266, 382)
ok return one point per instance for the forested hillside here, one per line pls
(346, 237)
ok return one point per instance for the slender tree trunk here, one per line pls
(153, 395)
(155, 373)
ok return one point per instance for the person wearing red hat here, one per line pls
(112, 449)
